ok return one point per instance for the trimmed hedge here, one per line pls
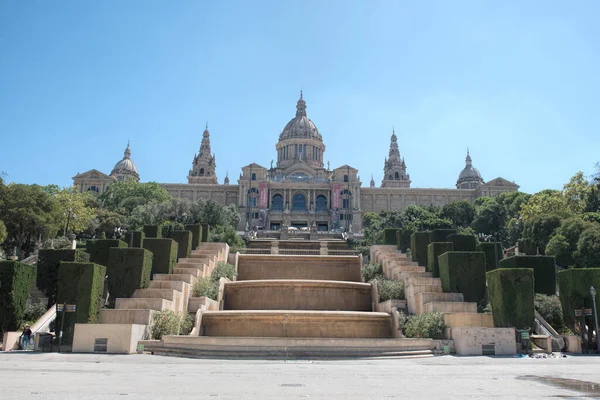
(47, 269)
(196, 230)
(404, 239)
(464, 272)
(574, 291)
(98, 249)
(184, 241)
(462, 242)
(440, 235)
(434, 250)
(81, 284)
(389, 236)
(128, 270)
(544, 271)
(418, 247)
(138, 239)
(511, 296)
(164, 254)
(527, 246)
(488, 249)
(152, 231)
(205, 232)
(16, 281)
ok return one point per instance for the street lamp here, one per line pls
(593, 293)
(69, 215)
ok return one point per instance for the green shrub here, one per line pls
(464, 272)
(434, 250)
(205, 287)
(81, 284)
(164, 254)
(440, 235)
(128, 270)
(390, 289)
(389, 236)
(205, 233)
(527, 246)
(47, 269)
(16, 281)
(574, 291)
(490, 259)
(511, 296)
(463, 242)
(544, 271)
(372, 271)
(184, 241)
(196, 230)
(428, 325)
(404, 240)
(167, 228)
(418, 247)
(152, 231)
(168, 322)
(138, 239)
(99, 249)
(223, 270)
(227, 234)
(550, 309)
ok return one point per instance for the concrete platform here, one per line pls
(187, 278)
(121, 338)
(422, 298)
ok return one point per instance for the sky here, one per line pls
(516, 82)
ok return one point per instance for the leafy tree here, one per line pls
(588, 248)
(214, 214)
(512, 202)
(541, 228)
(159, 213)
(82, 216)
(461, 213)
(546, 202)
(576, 193)
(490, 218)
(227, 234)
(118, 195)
(107, 222)
(3, 233)
(559, 247)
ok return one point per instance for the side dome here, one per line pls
(125, 169)
(469, 177)
(300, 127)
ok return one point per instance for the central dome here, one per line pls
(300, 127)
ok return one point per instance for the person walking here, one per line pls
(25, 337)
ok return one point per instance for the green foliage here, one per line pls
(460, 212)
(389, 236)
(428, 325)
(550, 309)
(16, 281)
(212, 213)
(490, 258)
(138, 239)
(463, 242)
(107, 221)
(559, 247)
(160, 213)
(33, 312)
(167, 322)
(206, 232)
(164, 254)
(418, 247)
(128, 270)
(588, 248)
(124, 196)
(541, 228)
(3, 232)
(511, 296)
(490, 218)
(464, 272)
(544, 271)
(71, 199)
(226, 234)
(205, 287)
(527, 246)
(184, 241)
(372, 271)
(574, 291)
(419, 218)
(404, 240)
(48, 265)
(434, 250)
(222, 270)
(196, 230)
(81, 284)
(152, 231)
(390, 289)
(99, 249)
(440, 235)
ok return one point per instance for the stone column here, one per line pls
(323, 251)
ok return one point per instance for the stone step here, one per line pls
(174, 277)
(167, 294)
(423, 281)
(173, 285)
(180, 264)
(449, 307)
(197, 272)
(193, 260)
(468, 319)
(422, 298)
(405, 275)
(413, 290)
(151, 303)
(141, 317)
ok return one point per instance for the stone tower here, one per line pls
(394, 168)
(204, 164)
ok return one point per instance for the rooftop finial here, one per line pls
(301, 106)
(468, 159)
(127, 153)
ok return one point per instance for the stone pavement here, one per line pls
(85, 376)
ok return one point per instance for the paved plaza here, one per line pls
(79, 376)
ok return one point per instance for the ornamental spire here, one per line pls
(301, 107)
(127, 153)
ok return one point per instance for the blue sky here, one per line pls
(516, 82)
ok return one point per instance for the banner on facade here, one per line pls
(263, 194)
(336, 195)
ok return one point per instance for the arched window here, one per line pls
(397, 175)
(254, 176)
(277, 202)
(390, 177)
(299, 202)
(201, 171)
(93, 189)
(321, 203)
(345, 178)
(252, 196)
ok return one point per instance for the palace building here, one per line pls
(300, 191)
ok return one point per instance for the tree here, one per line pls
(82, 217)
(460, 212)
(512, 202)
(118, 195)
(546, 202)
(214, 214)
(490, 218)
(107, 222)
(559, 247)
(3, 233)
(576, 193)
(588, 248)
(541, 228)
